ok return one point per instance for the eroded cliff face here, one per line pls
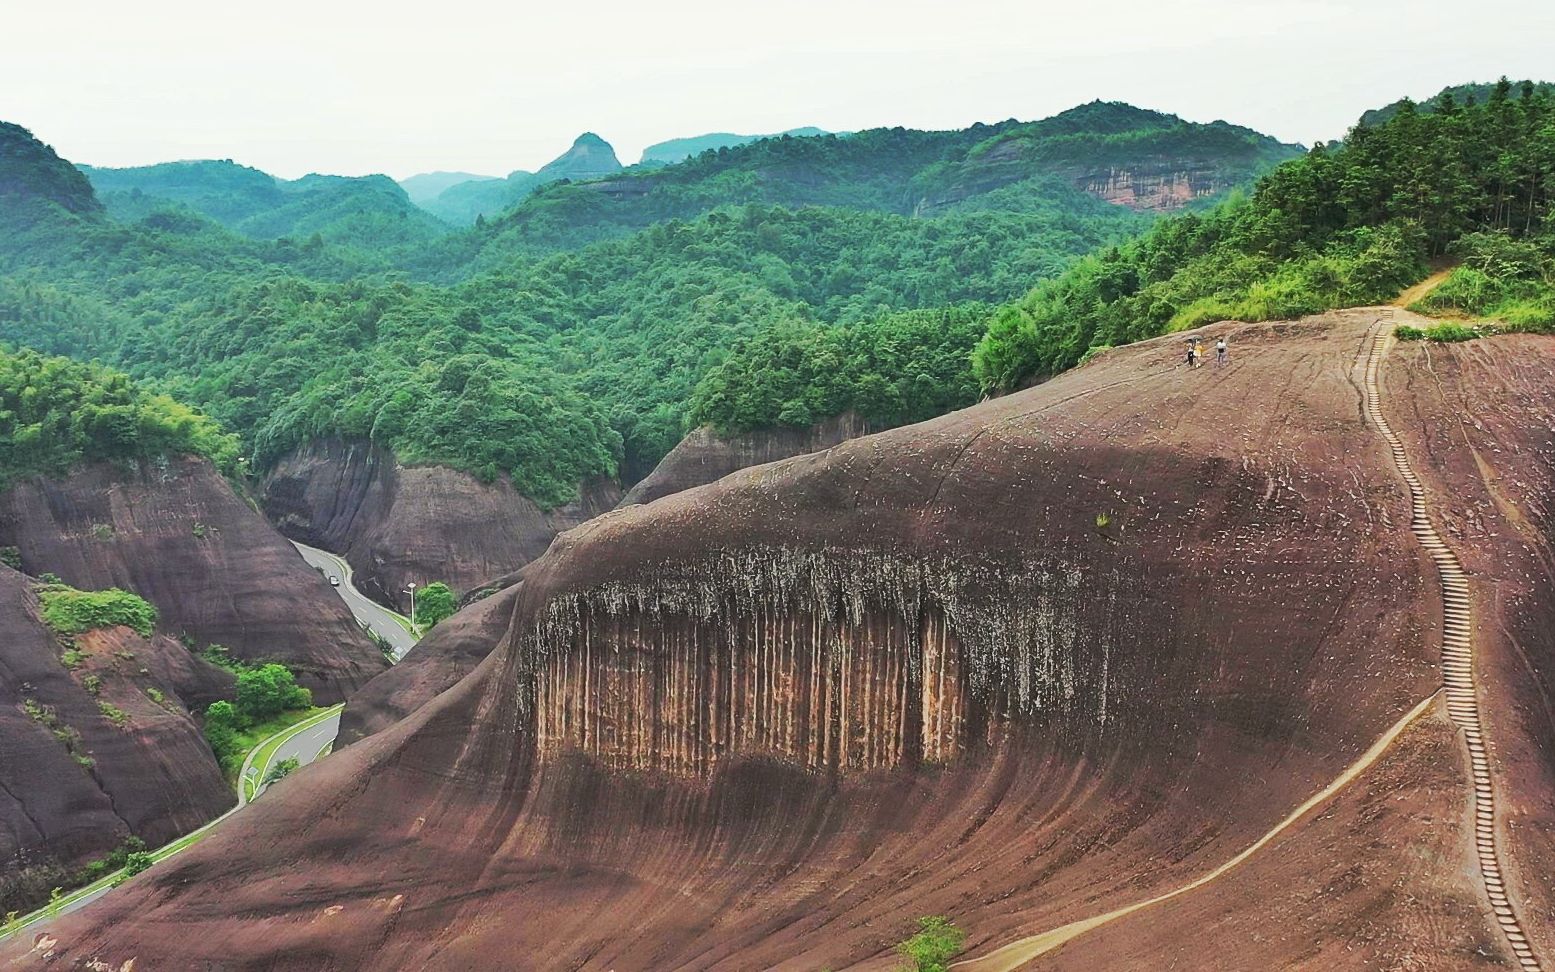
(175, 533)
(837, 659)
(396, 524)
(704, 456)
(1151, 189)
(95, 745)
(1020, 665)
(1156, 186)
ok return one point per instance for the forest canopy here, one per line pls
(1347, 224)
(56, 413)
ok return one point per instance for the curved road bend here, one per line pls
(375, 616)
(305, 743)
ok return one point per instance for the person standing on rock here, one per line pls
(1222, 353)
(1193, 353)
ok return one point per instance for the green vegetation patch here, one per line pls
(1445, 333)
(69, 611)
(282, 769)
(1503, 278)
(1347, 224)
(935, 944)
(268, 700)
(434, 603)
(893, 369)
(56, 413)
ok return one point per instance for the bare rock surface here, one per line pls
(439, 661)
(397, 524)
(96, 750)
(178, 535)
(704, 455)
(1020, 665)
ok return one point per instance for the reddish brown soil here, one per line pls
(1481, 417)
(1375, 880)
(1020, 665)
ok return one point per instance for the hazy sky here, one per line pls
(322, 86)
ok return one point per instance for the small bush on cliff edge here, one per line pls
(936, 943)
(221, 731)
(69, 611)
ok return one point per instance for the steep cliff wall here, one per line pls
(96, 750)
(1020, 665)
(177, 535)
(704, 456)
(1149, 186)
(397, 524)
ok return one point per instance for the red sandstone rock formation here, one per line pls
(396, 524)
(1020, 665)
(704, 456)
(438, 662)
(74, 782)
(176, 534)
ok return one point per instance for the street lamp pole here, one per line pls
(412, 590)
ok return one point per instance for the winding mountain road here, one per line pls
(304, 741)
(386, 624)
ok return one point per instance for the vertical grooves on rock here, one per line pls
(837, 660)
(1457, 668)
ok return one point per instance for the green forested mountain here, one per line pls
(30, 170)
(892, 369)
(1350, 223)
(55, 413)
(680, 149)
(566, 339)
(424, 187)
(368, 212)
(1008, 167)
(462, 203)
(1457, 95)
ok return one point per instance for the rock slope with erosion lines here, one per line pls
(396, 524)
(1477, 422)
(176, 534)
(704, 455)
(95, 747)
(1020, 665)
(439, 661)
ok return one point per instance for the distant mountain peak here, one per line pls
(589, 158)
